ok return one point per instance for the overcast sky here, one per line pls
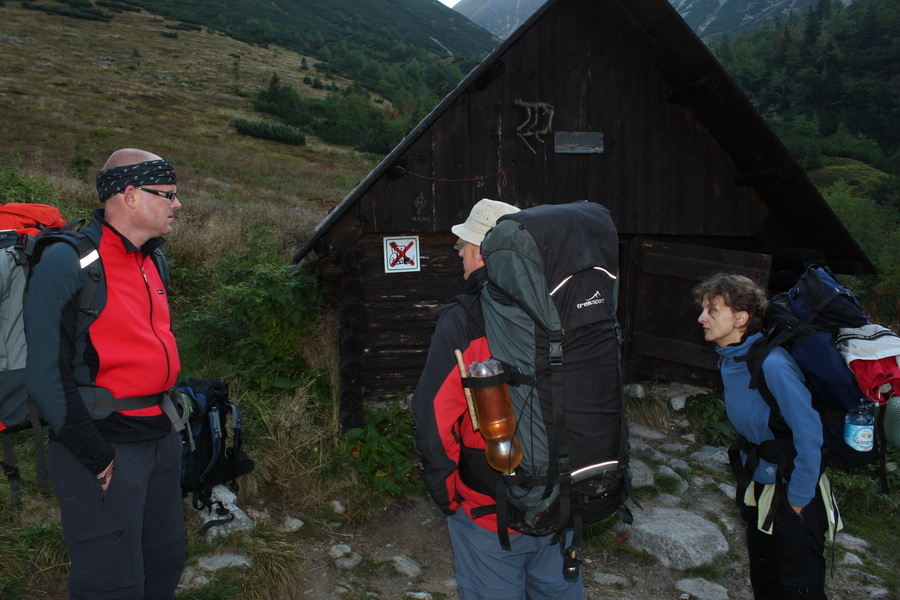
(450, 3)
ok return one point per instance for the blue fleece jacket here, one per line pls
(749, 413)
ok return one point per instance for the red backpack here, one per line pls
(29, 219)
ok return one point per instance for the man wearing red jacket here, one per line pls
(450, 448)
(100, 377)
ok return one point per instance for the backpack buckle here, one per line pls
(556, 353)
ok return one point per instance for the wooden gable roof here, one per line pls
(796, 216)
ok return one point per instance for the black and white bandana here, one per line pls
(152, 172)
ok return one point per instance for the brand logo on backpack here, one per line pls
(597, 298)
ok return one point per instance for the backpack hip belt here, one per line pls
(100, 403)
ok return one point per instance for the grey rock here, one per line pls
(241, 521)
(418, 595)
(191, 579)
(258, 514)
(610, 580)
(290, 525)
(728, 490)
(681, 484)
(678, 402)
(644, 432)
(852, 560)
(669, 500)
(850, 542)
(641, 474)
(339, 550)
(711, 456)
(677, 463)
(673, 448)
(635, 390)
(676, 537)
(681, 422)
(700, 589)
(652, 454)
(348, 562)
(406, 566)
(221, 561)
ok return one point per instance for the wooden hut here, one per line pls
(612, 101)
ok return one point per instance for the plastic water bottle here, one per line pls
(859, 428)
(496, 419)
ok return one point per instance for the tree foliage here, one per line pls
(834, 66)
(402, 50)
(348, 118)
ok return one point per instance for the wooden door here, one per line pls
(663, 340)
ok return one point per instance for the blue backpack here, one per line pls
(805, 321)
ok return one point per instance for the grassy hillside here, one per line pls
(409, 51)
(71, 91)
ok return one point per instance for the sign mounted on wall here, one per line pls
(401, 254)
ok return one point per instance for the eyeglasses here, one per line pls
(170, 196)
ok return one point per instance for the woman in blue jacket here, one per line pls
(781, 498)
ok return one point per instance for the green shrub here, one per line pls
(76, 10)
(707, 413)
(169, 34)
(14, 187)
(384, 451)
(253, 311)
(275, 132)
(184, 27)
(113, 6)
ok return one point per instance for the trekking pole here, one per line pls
(467, 391)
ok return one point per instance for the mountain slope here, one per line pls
(708, 18)
(307, 25)
(500, 17)
(712, 19)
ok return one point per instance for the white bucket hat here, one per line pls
(484, 215)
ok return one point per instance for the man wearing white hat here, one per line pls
(450, 448)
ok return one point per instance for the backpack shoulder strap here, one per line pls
(162, 265)
(89, 261)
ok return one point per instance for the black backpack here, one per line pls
(206, 459)
(550, 318)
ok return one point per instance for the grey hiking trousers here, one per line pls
(126, 544)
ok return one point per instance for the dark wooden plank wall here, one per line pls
(661, 173)
(388, 351)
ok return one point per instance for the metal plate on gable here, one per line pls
(578, 142)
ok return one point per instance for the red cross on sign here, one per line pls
(401, 254)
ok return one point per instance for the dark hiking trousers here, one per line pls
(790, 563)
(129, 543)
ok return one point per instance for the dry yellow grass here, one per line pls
(72, 91)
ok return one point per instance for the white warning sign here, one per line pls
(401, 254)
